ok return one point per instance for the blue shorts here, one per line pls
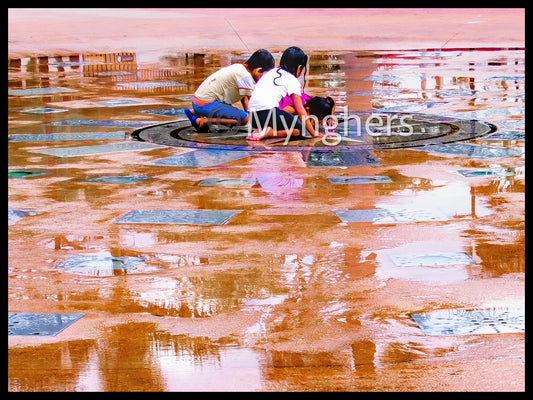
(217, 109)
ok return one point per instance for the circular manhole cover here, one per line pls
(362, 130)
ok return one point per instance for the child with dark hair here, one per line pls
(320, 107)
(212, 101)
(266, 116)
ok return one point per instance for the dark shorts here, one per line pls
(275, 118)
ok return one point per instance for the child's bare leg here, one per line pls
(226, 121)
(269, 132)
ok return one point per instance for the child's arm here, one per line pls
(302, 114)
(244, 102)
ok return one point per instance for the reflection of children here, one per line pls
(320, 107)
(270, 89)
(212, 101)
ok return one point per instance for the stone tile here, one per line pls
(182, 217)
(431, 259)
(39, 91)
(39, 324)
(476, 322)
(44, 137)
(333, 158)
(202, 158)
(384, 216)
(128, 179)
(247, 182)
(351, 180)
(65, 152)
(105, 122)
(26, 173)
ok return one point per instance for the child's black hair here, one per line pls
(260, 59)
(291, 59)
(320, 106)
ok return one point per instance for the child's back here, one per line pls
(227, 85)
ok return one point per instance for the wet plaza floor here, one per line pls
(143, 266)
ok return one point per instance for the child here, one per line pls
(212, 101)
(270, 89)
(320, 107)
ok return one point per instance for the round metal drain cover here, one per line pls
(363, 130)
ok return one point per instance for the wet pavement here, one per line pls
(176, 266)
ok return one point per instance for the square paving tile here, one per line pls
(43, 110)
(169, 112)
(247, 182)
(508, 135)
(13, 215)
(474, 173)
(335, 158)
(202, 158)
(39, 91)
(149, 85)
(65, 152)
(351, 180)
(44, 137)
(105, 122)
(39, 324)
(94, 264)
(128, 179)
(431, 259)
(469, 150)
(384, 216)
(182, 217)
(459, 322)
(25, 173)
(117, 103)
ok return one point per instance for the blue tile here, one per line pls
(168, 112)
(43, 110)
(65, 152)
(43, 137)
(39, 91)
(431, 259)
(384, 216)
(202, 158)
(13, 215)
(350, 180)
(181, 217)
(228, 182)
(118, 179)
(25, 173)
(333, 158)
(99, 265)
(149, 85)
(508, 135)
(475, 322)
(474, 173)
(39, 324)
(117, 102)
(105, 122)
(469, 150)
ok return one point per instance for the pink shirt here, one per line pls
(287, 101)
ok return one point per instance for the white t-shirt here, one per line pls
(267, 93)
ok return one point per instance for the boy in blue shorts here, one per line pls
(212, 101)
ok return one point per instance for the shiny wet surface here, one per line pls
(285, 295)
